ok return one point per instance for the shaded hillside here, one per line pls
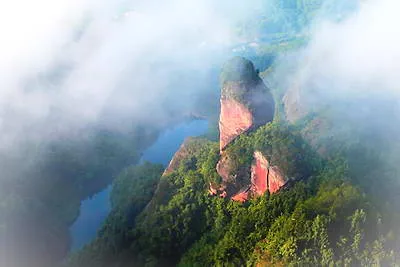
(41, 203)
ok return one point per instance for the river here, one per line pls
(95, 209)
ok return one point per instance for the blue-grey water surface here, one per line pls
(95, 209)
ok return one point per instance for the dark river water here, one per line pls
(95, 209)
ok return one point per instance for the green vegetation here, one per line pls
(239, 80)
(42, 202)
(322, 219)
(132, 191)
(280, 20)
(339, 210)
(238, 69)
(282, 47)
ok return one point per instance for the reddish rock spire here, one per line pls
(259, 174)
(265, 177)
(246, 103)
(235, 119)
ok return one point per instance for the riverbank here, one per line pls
(95, 209)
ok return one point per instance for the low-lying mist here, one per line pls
(347, 75)
(81, 71)
(84, 87)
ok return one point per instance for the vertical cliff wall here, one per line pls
(246, 103)
(259, 174)
(264, 177)
(235, 119)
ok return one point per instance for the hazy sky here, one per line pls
(359, 54)
(349, 71)
(66, 63)
(71, 64)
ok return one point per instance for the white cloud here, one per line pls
(65, 63)
(361, 53)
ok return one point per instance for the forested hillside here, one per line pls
(336, 152)
(323, 217)
(299, 166)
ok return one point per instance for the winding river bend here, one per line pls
(94, 210)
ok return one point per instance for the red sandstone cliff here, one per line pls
(246, 103)
(235, 118)
(266, 177)
(276, 179)
(259, 174)
(242, 196)
(263, 178)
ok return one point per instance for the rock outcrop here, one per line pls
(246, 103)
(264, 177)
(223, 168)
(259, 174)
(189, 147)
(232, 181)
(242, 196)
(235, 119)
(276, 179)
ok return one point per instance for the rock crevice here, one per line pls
(264, 177)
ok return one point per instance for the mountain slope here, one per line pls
(322, 215)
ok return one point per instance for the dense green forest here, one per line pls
(339, 207)
(41, 203)
(324, 217)
(42, 186)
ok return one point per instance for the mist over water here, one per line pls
(95, 209)
(71, 68)
(77, 63)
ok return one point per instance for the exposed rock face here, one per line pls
(231, 183)
(246, 103)
(212, 190)
(242, 196)
(259, 174)
(223, 168)
(235, 118)
(263, 178)
(276, 179)
(217, 190)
